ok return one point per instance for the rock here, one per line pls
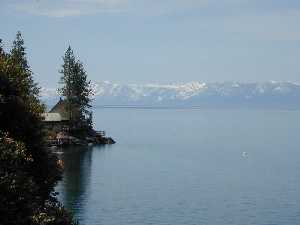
(110, 141)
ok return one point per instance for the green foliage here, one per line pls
(25, 79)
(76, 89)
(52, 213)
(20, 113)
(20, 199)
(28, 172)
(17, 186)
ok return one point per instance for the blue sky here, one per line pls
(159, 41)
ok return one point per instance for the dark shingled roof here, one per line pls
(61, 108)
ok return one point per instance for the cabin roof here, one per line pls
(61, 109)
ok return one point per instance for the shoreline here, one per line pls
(65, 140)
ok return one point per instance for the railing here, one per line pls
(100, 133)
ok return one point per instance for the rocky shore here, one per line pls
(63, 139)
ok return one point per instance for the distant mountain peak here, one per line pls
(193, 93)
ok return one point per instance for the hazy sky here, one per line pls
(160, 41)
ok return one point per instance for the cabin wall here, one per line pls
(56, 127)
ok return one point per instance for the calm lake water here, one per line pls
(187, 167)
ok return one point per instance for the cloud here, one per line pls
(64, 8)
(257, 19)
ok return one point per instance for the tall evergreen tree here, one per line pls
(76, 90)
(28, 171)
(25, 78)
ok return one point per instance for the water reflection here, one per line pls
(77, 177)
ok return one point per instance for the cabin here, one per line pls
(57, 119)
(56, 124)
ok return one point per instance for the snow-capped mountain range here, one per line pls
(193, 94)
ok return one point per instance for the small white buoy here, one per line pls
(245, 154)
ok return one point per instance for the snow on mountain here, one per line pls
(274, 94)
(134, 91)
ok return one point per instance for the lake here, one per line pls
(185, 166)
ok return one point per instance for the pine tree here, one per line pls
(25, 78)
(76, 90)
(28, 171)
